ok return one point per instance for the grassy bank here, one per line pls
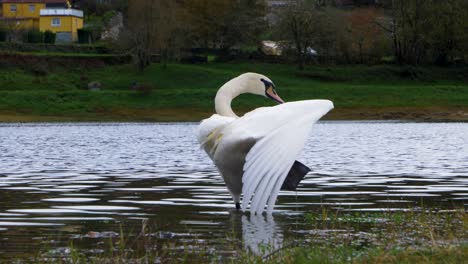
(185, 92)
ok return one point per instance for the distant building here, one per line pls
(54, 15)
(273, 7)
(276, 3)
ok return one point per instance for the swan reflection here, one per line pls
(260, 234)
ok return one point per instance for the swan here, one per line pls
(256, 153)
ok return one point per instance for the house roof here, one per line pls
(34, 1)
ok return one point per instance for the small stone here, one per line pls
(94, 86)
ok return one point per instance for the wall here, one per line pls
(68, 24)
(77, 23)
(45, 23)
(22, 10)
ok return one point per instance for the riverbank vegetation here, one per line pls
(180, 92)
(387, 60)
(412, 32)
(416, 235)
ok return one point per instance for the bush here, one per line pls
(38, 69)
(400, 72)
(49, 37)
(64, 48)
(34, 36)
(194, 59)
(3, 35)
(84, 36)
(324, 76)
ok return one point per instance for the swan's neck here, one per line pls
(225, 95)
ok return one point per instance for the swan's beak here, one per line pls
(271, 92)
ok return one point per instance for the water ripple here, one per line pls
(88, 180)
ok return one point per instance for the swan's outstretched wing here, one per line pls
(281, 132)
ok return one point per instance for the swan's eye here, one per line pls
(266, 83)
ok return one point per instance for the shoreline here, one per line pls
(411, 114)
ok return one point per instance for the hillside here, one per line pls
(185, 92)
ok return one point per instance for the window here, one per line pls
(32, 8)
(55, 21)
(13, 8)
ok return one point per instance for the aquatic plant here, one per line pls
(415, 235)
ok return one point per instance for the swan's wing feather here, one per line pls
(281, 132)
(209, 125)
(210, 132)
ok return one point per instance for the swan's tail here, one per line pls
(295, 176)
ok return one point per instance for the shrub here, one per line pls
(38, 69)
(194, 59)
(49, 37)
(3, 35)
(326, 75)
(84, 36)
(34, 36)
(64, 48)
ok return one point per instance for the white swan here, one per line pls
(255, 153)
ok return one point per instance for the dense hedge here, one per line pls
(34, 36)
(29, 62)
(63, 48)
(37, 37)
(49, 37)
(3, 35)
(84, 36)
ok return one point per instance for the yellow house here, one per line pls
(53, 15)
(21, 14)
(64, 22)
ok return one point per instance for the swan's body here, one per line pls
(255, 152)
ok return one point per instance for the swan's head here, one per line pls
(261, 85)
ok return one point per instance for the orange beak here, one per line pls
(271, 93)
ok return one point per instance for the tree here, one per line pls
(405, 24)
(12, 30)
(95, 25)
(365, 35)
(225, 23)
(448, 37)
(151, 27)
(99, 8)
(298, 25)
(310, 24)
(426, 30)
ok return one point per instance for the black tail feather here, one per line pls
(295, 176)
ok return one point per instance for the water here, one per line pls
(84, 182)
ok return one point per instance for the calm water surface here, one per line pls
(83, 182)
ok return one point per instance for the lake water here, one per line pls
(83, 183)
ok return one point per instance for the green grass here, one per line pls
(424, 235)
(180, 87)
